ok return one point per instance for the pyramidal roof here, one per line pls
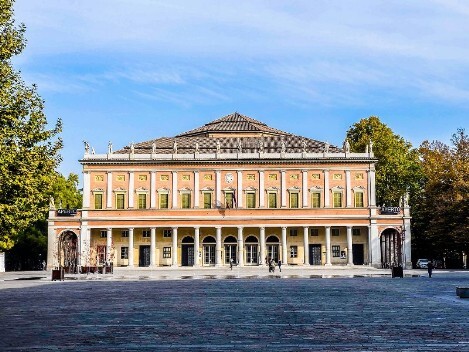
(234, 123)
(233, 133)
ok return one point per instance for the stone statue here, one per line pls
(371, 146)
(132, 148)
(87, 147)
(153, 148)
(347, 146)
(303, 143)
(326, 147)
(261, 145)
(283, 146)
(240, 147)
(109, 148)
(175, 147)
(218, 146)
(51, 203)
(92, 150)
(196, 147)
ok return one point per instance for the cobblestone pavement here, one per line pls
(268, 313)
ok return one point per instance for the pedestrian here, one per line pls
(271, 266)
(231, 263)
(430, 268)
(280, 265)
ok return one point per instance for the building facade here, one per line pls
(235, 190)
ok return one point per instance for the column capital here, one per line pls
(109, 172)
(240, 227)
(153, 171)
(283, 171)
(196, 227)
(174, 228)
(174, 172)
(196, 171)
(153, 228)
(349, 227)
(130, 228)
(284, 227)
(262, 228)
(305, 227)
(109, 229)
(325, 170)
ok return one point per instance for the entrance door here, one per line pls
(251, 254)
(209, 254)
(315, 254)
(144, 258)
(358, 254)
(230, 253)
(187, 255)
(272, 252)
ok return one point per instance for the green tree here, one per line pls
(398, 167)
(65, 191)
(29, 152)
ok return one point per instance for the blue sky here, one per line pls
(140, 69)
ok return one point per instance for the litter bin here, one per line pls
(397, 271)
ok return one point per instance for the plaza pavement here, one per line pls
(246, 309)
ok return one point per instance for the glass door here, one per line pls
(230, 253)
(251, 254)
(209, 254)
(272, 252)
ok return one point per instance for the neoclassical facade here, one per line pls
(233, 189)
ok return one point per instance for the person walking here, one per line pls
(430, 268)
(231, 263)
(280, 265)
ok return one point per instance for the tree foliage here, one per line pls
(441, 211)
(29, 152)
(398, 167)
(65, 191)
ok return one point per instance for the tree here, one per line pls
(441, 212)
(29, 152)
(65, 191)
(398, 167)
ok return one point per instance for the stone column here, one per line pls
(84, 246)
(328, 246)
(375, 245)
(218, 261)
(131, 189)
(407, 245)
(108, 245)
(86, 189)
(196, 189)
(348, 189)
(283, 190)
(306, 244)
(174, 250)
(240, 246)
(327, 192)
(153, 190)
(261, 189)
(196, 246)
(284, 246)
(305, 188)
(131, 247)
(262, 235)
(239, 197)
(109, 190)
(152, 247)
(349, 246)
(218, 188)
(372, 187)
(174, 203)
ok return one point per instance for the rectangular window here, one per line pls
(229, 200)
(314, 232)
(207, 200)
(98, 201)
(358, 199)
(125, 233)
(146, 233)
(186, 200)
(124, 252)
(164, 197)
(272, 200)
(355, 232)
(250, 200)
(103, 233)
(166, 252)
(167, 233)
(294, 200)
(337, 199)
(120, 201)
(293, 251)
(335, 232)
(336, 251)
(142, 201)
(316, 200)
(293, 232)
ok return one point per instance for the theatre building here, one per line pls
(233, 189)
